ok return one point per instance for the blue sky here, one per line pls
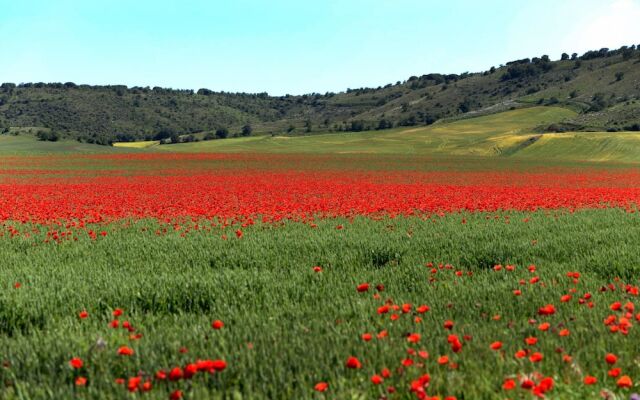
(286, 46)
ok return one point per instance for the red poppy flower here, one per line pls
(353, 363)
(442, 360)
(217, 324)
(376, 379)
(83, 314)
(76, 363)
(611, 358)
(363, 287)
(317, 269)
(531, 340)
(448, 324)
(413, 338)
(125, 351)
(175, 395)
(536, 357)
(509, 384)
(81, 381)
(624, 382)
(549, 309)
(496, 345)
(367, 337)
(614, 372)
(590, 380)
(117, 312)
(175, 374)
(321, 387)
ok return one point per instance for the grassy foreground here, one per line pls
(288, 327)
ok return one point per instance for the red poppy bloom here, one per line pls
(442, 360)
(536, 357)
(367, 337)
(448, 324)
(611, 358)
(531, 340)
(321, 387)
(590, 380)
(413, 338)
(376, 379)
(363, 287)
(76, 363)
(83, 314)
(496, 345)
(175, 395)
(175, 374)
(117, 312)
(81, 381)
(353, 363)
(125, 351)
(317, 269)
(509, 384)
(624, 382)
(217, 324)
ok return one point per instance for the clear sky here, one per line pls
(293, 46)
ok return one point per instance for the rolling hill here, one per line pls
(602, 87)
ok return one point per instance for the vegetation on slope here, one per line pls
(602, 86)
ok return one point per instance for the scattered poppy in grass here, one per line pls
(407, 362)
(353, 363)
(521, 354)
(448, 324)
(175, 395)
(217, 324)
(549, 309)
(382, 334)
(565, 298)
(125, 351)
(161, 375)
(239, 234)
(117, 312)
(83, 314)
(17, 285)
(317, 269)
(413, 338)
(496, 345)
(321, 387)
(531, 340)
(517, 292)
(508, 384)
(590, 380)
(442, 360)
(175, 374)
(564, 332)
(363, 287)
(367, 337)
(114, 324)
(536, 357)
(624, 382)
(119, 381)
(422, 309)
(383, 309)
(385, 373)
(544, 326)
(81, 381)
(147, 386)
(76, 363)
(614, 372)
(376, 379)
(611, 358)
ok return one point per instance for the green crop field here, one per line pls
(286, 289)
(288, 327)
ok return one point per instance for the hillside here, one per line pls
(602, 87)
(508, 135)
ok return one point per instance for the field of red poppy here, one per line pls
(324, 276)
